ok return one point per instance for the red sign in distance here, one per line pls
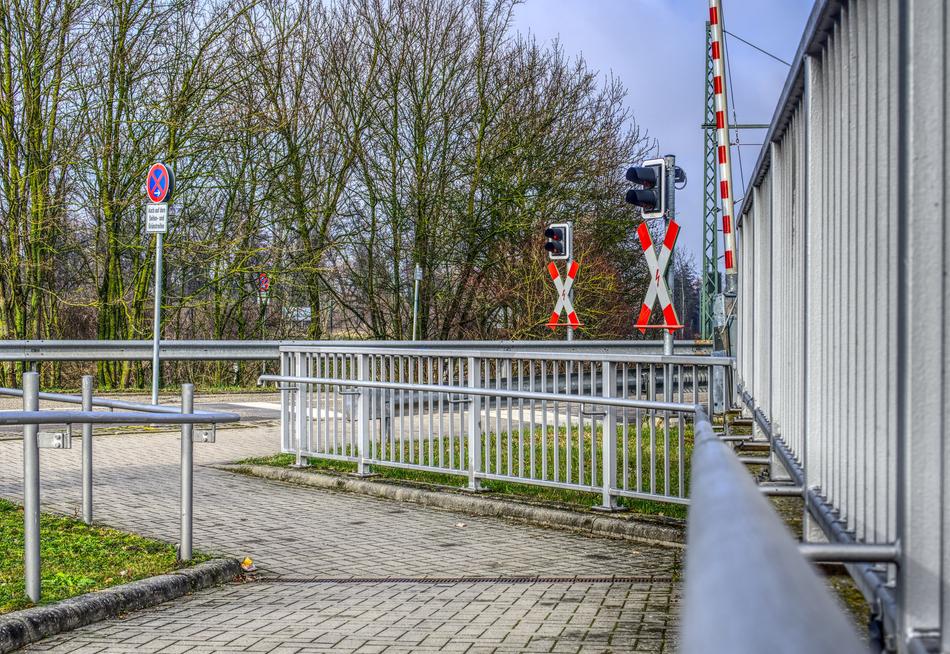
(159, 183)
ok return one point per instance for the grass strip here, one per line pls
(76, 558)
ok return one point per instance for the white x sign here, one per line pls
(658, 266)
(563, 287)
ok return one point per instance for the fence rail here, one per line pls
(93, 350)
(31, 417)
(843, 349)
(617, 425)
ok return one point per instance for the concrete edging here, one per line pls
(629, 529)
(20, 628)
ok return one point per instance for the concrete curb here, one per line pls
(643, 531)
(20, 628)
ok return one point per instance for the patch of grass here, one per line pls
(567, 451)
(76, 558)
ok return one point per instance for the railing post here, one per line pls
(187, 472)
(362, 424)
(285, 419)
(31, 490)
(474, 426)
(303, 412)
(608, 454)
(87, 387)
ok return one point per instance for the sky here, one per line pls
(631, 38)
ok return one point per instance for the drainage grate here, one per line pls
(463, 580)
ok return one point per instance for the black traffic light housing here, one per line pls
(558, 243)
(651, 197)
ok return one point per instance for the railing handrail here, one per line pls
(101, 402)
(8, 418)
(748, 588)
(675, 359)
(599, 400)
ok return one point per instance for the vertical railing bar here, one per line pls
(486, 416)
(429, 410)
(625, 432)
(533, 405)
(544, 426)
(508, 370)
(639, 424)
(681, 451)
(668, 394)
(451, 378)
(521, 419)
(440, 368)
(581, 420)
(498, 404)
(653, 430)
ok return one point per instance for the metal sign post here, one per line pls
(159, 184)
(415, 303)
(670, 274)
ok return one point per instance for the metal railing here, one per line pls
(743, 568)
(843, 295)
(615, 425)
(31, 417)
(93, 350)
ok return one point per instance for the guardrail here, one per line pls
(616, 425)
(31, 417)
(843, 296)
(92, 350)
(744, 570)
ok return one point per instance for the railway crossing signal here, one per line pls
(658, 286)
(565, 301)
(651, 197)
(558, 244)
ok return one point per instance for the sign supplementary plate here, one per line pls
(156, 218)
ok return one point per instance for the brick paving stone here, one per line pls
(298, 533)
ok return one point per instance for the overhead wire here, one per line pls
(732, 91)
(762, 50)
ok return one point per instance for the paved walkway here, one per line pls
(403, 563)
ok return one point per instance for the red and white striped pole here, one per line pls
(726, 189)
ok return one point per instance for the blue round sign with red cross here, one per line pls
(159, 183)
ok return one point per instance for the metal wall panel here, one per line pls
(843, 288)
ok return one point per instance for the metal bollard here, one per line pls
(87, 387)
(187, 472)
(31, 490)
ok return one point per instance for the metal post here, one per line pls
(415, 304)
(187, 473)
(570, 295)
(31, 490)
(157, 322)
(670, 215)
(474, 426)
(87, 387)
(362, 467)
(609, 453)
(303, 410)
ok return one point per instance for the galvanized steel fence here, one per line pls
(843, 349)
(619, 426)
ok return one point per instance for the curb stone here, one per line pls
(642, 531)
(20, 628)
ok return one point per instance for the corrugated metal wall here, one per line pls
(843, 294)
